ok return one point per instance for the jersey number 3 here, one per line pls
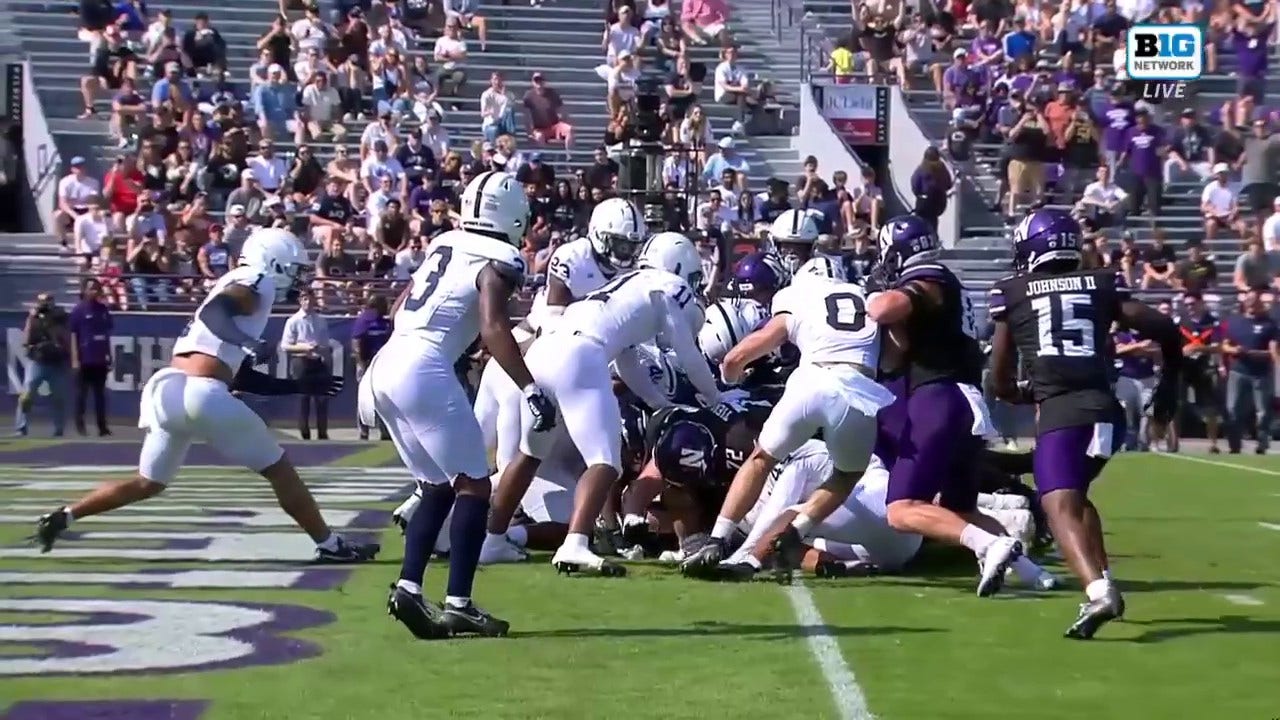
(1064, 331)
(437, 263)
(846, 312)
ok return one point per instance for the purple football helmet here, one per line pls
(907, 240)
(759, 274)
(685, 453)
(1045, 236)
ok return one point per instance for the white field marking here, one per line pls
(850, 702)
(265, 517)
(1238, 599)
(224, 470)
(1219, 463)
(1269, 526)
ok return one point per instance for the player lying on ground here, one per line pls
(192, 401)
(462, 290)
(1060, 315)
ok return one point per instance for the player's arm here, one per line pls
(753, 347)
(680, 337)
(219, 314)
(496, 285)
(1149, 323)
(1004, 352)
(404, 295)
(893, 306)
(632, 372)
(251, 381)
(558, 294)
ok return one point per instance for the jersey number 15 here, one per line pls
(1065, 329)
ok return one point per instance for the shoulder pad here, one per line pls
(930, 272)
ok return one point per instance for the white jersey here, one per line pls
(197, 338)
(625, 311)
(573, 264)
(828, 322)
(442, 307)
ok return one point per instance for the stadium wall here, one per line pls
(907, 144)
(39, 151)
(819, 139)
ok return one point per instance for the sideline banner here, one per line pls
(859, 113)
(143, 344)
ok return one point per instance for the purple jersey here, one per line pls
(1117, 118)
(1142, 146)
(1139, 366)
(1251, 53)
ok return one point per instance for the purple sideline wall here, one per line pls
(142, 343)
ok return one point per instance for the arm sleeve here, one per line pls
(258, 383)
(679, 337)
(633, 373)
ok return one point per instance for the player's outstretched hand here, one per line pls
(260, 350)
(334, 386)
(543, 410)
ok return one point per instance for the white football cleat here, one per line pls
(995, 562)
(499, 549)
(403, 514)
(569, 560)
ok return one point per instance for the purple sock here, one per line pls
(424, 528)
(466, 536)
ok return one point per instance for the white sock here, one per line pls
(1097, 589)
(576, 541)
(1026, 570)
(803, 524)
(976, 539)
(412, 588)
(70, 516)
(518, 535)
(723, 528)
(457, 602)
(751, 560)
(494, 537)
(330, 543)
(1106, 574)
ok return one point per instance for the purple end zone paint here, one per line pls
(107, 710)
(269, 646)
(126, 453)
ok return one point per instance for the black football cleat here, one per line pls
(48, 528)
(788, 554)
(422, 617)
(1094, 614)
(608, 540)
(471, 620)
(839, 569)
(348, 552)
(702, 562)
(735, 572)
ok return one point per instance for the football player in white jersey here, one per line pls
(572, 362)
(833, 390)
(854, 540)
(792, 236)
(460, 291)
(192, 401)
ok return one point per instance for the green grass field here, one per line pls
(1195, 546)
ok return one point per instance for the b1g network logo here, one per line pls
(1163, 58)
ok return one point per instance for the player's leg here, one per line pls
(1066, 462)
(1128, 392)
(788, 490)
(497, 409)
(933, 447)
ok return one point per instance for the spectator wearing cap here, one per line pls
(415, 157)
(239, 225)
(961, 84)
(1218, 204)
(382, 130)
(464, 14)
(275, 105)
(537, 173)
(249, 196)
(1261, 170)
(733, 85)
(268, 168)
(544, 113)
(205, 46)
(727, 158)
(172, 89)
(1190, 150)
(379, 166)
(450, 52)
(76, 190)
(622, 81)
(705, 21)
(1145, 145)
(306, 342)
(497, 109)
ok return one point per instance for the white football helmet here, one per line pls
(820, 267)
(794, 233)
(728, 322)
(616, 231)
(676, 254)
(277, 253)
(494, 202)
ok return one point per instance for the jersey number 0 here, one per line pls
(846, 312)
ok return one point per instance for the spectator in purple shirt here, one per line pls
(1249, 41)
(90, 325)
(1116, 120)
(369, 333)
(1136, 382)
(961, 83)
(986, 47)
(1145, 145)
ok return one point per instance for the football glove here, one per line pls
(541, 407)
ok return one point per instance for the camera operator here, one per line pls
(306, 341)
(47, 339)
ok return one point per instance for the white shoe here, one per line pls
(499, 549)
(403, 514)
(995, 562)
(569, 560)
(1011, 445)
(1002, 501)
(1046, 581)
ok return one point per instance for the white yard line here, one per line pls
(1246, 600)
(850, 702)
(1220, 463)
(1269, 526)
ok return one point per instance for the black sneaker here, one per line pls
(1094, 614)
(702, 562)
(840, 569)
(737, 572)
(48, 528)
(422, 617)
(788, 553)
(471, 620)
(348, 552)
